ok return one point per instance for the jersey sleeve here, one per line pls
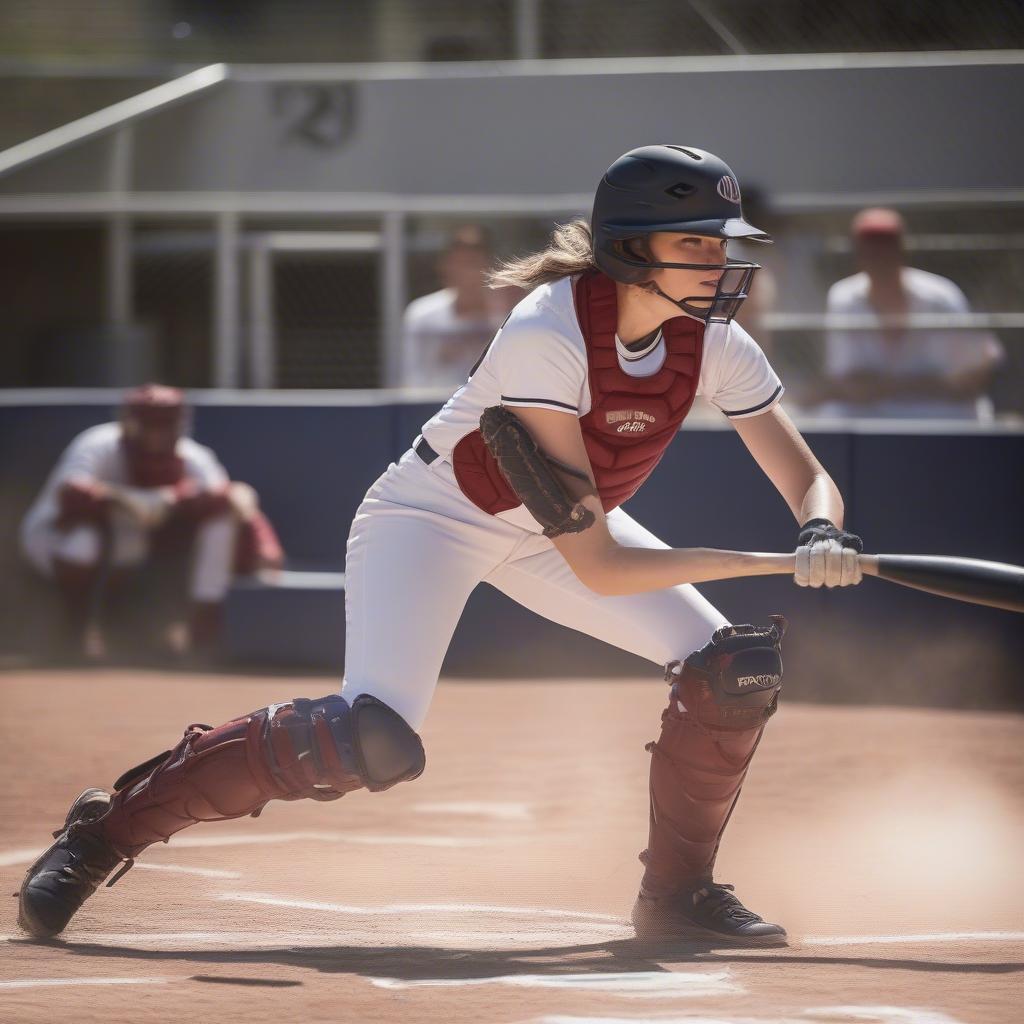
(202, 466)
(737, 377)
(85, 458)
(537, 366)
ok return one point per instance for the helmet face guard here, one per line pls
(733, 286)
(676, 189)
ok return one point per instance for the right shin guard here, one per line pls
(315, 749)
(720, 699)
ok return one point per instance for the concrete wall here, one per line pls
(791, 125)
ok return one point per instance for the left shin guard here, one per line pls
(303, 749)
(720, 699)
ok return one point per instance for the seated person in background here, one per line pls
(443, 333)
(895, 370)
(123, 490)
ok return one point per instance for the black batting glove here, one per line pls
(815, 530)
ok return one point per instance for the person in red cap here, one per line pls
(876, 364)
(120, 491)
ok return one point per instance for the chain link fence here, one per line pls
(311, 305)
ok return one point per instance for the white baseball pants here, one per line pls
(417, 549)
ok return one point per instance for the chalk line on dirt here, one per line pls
(356, 838)
(817, 1015)
(502, 811)
(26, 855)
(415, 908)
(635, 985)
(63, 982)
(873, 940)
(363, 935)
(181, 870)
(466, 925)
(23, 856)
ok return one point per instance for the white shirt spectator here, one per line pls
(913, 353)
(439, 346)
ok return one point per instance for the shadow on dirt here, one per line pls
(415, 963)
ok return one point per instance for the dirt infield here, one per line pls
(497, 886)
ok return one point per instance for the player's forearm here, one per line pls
(621, 570)
(821, 500)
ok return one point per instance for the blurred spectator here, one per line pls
(125, 490)
(445, 332)
(894, 370)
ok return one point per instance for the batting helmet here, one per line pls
(672, 188)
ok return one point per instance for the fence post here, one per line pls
(393, 296)
(225, 368)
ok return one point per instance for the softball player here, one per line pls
(121, 490)
(518, 481)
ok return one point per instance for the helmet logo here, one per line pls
(729, 188)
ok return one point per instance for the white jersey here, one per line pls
(96, 454)
(915, 353)
(539, 359)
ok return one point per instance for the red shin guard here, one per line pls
(720, 699)
(696, 775)
(302, 749)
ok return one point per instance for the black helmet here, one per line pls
(671, 188)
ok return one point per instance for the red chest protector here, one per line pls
(631, 419)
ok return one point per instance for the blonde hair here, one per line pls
(570, 250)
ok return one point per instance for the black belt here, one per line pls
(424, 451)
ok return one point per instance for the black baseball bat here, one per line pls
(996, 584)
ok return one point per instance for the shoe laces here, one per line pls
(86, 862)
(718, 900)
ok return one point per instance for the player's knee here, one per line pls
(81, 545)
(366, 740)
(387, 750)
(734, 680)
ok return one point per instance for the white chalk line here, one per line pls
(61, 982)
(180, 870)
(817, 1015)
(471, 808)
(355, 937)
(628, 985)
(871, 940)
(416, 908)
(26, 855)
(22, 856)
(523, 938)
(354, 838)
(876, 1015)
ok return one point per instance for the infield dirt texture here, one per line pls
(498, 886)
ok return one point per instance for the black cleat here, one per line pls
(67, 874)
(706, 912)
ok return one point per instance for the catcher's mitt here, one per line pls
(530, 474)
